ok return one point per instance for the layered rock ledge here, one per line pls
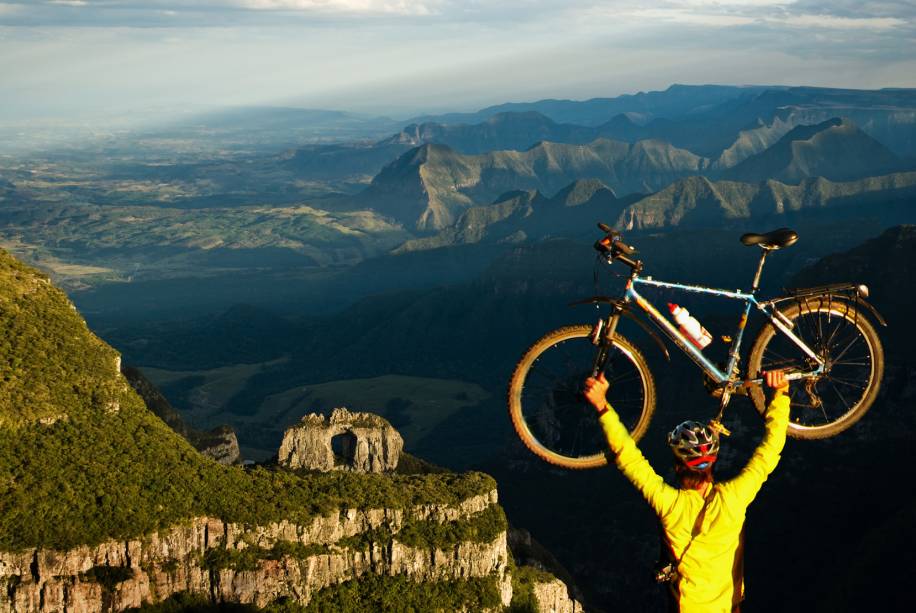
(254, 564)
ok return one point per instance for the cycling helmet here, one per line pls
(694, 444)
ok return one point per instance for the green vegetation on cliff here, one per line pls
(368, 593)
(481, 528)
(398, 593)
(83, 460)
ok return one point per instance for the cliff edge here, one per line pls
(103, 507)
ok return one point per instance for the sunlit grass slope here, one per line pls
(83, 460)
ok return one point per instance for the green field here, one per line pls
(414, 405)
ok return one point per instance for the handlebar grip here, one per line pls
(625, 249)
(605, 228)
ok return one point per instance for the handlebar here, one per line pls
(613, 247)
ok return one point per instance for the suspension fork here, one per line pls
(603, 336)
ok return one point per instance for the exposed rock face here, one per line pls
(553, 597)
(366, 443)
(220, 444)
(198, 557)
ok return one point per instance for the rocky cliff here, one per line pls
(279, 561)
(367, 443)
(104, 507)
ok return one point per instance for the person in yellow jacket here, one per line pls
(702, 520)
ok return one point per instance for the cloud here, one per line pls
(818, 14)
(842, 23)
(788, 13)
(693, 17)
(388, 54)
(366, 7)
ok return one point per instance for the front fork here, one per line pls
(602, 337)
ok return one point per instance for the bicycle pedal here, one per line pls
(717, 426)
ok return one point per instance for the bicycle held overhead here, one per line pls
(823, 337)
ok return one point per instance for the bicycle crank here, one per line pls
(716, 426)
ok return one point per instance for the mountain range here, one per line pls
(429, 186)
(674, 102)
(708, 118)
(528, 215)
(435, 188)
(725, 124)
(698, 201)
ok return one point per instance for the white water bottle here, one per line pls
(690, 327)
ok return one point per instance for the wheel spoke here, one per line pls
(836, 329)
(546, 397)
(846, 382)
(840, 395)
(853, 342)
(849, 347)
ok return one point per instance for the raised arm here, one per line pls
(745, 486)
(628, 457)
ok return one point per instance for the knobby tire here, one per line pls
(815, 319)
(622, 350)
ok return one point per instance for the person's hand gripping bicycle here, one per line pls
(596, 392)
(776, 381)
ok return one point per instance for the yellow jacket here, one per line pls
(711, 577)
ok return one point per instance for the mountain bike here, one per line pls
(824, 337)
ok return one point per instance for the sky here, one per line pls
(61, 58)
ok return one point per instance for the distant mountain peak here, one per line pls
(526, 195)
(581, 191)
(620, 121)
(835, 149)
(806, 132)
(421, 155)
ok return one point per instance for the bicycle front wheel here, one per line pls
(550, 413)
(826, 404)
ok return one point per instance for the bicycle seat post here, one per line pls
(763, 256)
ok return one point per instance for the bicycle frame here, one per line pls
(729, 376)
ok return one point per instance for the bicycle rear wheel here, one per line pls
(827, 404)
(547, 407)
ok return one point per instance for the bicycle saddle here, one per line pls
(777, 239)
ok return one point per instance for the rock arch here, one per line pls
(364, 442)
